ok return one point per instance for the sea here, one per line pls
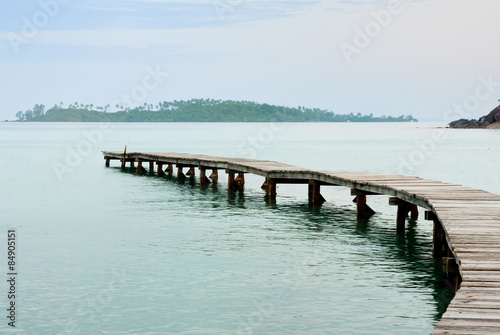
(102, 251)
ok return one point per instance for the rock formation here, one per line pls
(490, 121)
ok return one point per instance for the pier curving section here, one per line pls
(466, 232)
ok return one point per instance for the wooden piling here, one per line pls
(203, 176)
(107, 161)
(180, 174)
(401, 219)
(124, 159)
(215, 175)
(414, 212)
(170, 169)
(240, 180)
(230, 179)
(265, 185)
(151, 166)
(159, 169)
(438, 235)
(361, 205)
(139, 166)
(315, 197)
(191, 172)
(403, 209)
(271, 189)
(364, 211)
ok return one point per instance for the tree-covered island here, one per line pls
(195, 110)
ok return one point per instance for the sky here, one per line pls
(434, 59)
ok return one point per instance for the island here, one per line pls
(195, 110)
(490, 121)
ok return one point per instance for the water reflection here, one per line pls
(412, 251)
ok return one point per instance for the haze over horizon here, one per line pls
(434, 59)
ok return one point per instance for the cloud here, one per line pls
(151, 14)
(429, 56)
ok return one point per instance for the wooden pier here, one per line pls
(466, 221)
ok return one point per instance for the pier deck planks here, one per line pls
(470, 218)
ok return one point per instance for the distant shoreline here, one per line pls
(196, 110)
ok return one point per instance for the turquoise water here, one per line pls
(101, 251)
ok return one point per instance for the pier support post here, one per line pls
(414, 212)
(271, 189)
(240, 180)
(124, 159)
(107, 161)
(401, 218)
(139, 166)
(364, 211)
(169, 169)
(403, 209)
(180, 174)
(265, 185)
(437, 236)
(191, 172)
(315, 197)
(441, 249)
(159, 169)
(215, 175)
(452, 271)
(361, 205)
(132, 164)
(203, 176)
(151, 166)
(230, 179)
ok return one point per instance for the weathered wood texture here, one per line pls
(468, 221)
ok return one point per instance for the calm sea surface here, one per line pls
(102, 251)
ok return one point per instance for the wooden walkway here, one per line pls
(466, 221)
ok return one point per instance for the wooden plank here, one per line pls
(459, 327)
(480, 291)
(484, 277)
(472, 249)
(482, 266)
(483, 283)
(469, 331)
(475, 315)
(474, 322)
(477, 297)
(444, 216)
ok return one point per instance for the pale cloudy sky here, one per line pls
(435, 59)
